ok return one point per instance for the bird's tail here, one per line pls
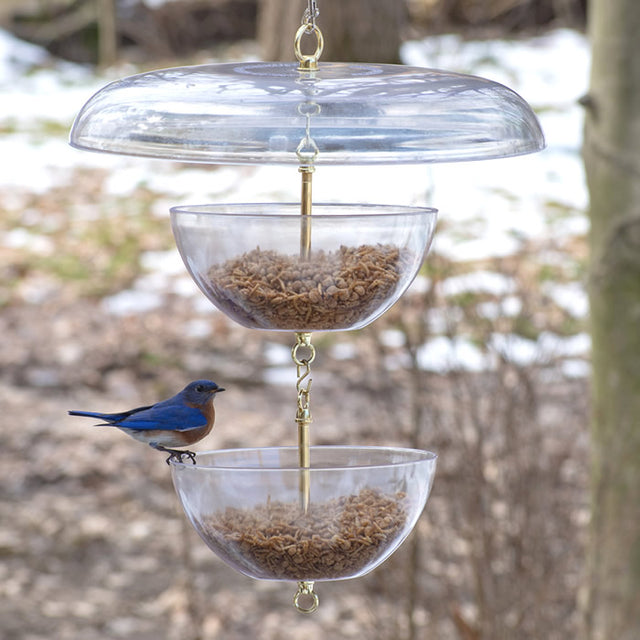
(88, 414)
(107, 417)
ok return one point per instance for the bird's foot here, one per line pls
(177, 454)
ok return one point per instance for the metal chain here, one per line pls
(310, 15)
(303, 415)
(303, 370)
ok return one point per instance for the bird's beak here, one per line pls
(219, 389)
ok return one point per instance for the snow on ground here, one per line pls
(488, 208)
(550, 72)
(503, 200)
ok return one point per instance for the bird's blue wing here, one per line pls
(166, 416)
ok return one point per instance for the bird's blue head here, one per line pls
(199, 392)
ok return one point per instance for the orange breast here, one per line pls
(195, 435)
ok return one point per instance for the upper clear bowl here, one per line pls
(246, 504)
(250, 260)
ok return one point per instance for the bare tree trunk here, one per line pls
(278, 21)
(353, 30)
(107, 33)
(612, 160)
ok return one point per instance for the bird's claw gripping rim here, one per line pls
(177, 454)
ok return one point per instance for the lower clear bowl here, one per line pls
(269, 519)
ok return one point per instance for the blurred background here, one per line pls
(485, 361)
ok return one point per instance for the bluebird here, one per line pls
(177, 422)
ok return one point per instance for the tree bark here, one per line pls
(612, 161)
(353, 30)
(107, 33)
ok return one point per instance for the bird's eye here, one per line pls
(199, 388)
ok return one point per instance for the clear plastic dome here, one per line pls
(258, 113)
(364, 501)
(248, 260)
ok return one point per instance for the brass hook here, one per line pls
(308, 62)
(305, 589)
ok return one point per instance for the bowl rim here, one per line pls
(422, 456)
(367, 210)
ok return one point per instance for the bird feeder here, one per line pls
(305, 513)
